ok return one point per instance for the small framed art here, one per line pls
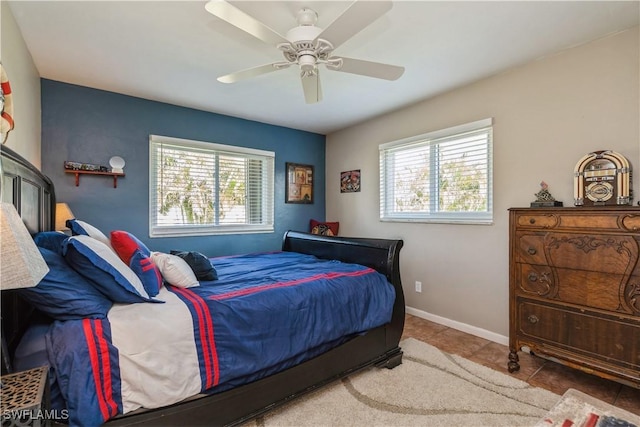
(299, 184)
(350, 181)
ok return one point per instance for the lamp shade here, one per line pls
(21, 265)
(63, 213)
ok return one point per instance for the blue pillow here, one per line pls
(51, 240)
(147, 272)
(63, 294)
(100, 264)
(199, 263)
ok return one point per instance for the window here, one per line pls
(441, 176)
(201, 188)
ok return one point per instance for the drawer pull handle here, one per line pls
(533, 318)
(532, 220)
(533, 277)
(532, 251)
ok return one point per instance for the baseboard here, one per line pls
(469, 329)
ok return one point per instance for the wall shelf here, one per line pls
(77, 173)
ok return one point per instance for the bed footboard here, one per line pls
(381, 254)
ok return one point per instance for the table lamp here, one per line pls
(21, 264)
(63, 213)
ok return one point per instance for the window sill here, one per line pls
(440, 221)
(208, 232)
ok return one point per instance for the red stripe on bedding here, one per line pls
(159, 276)
(147, 264)
(243, 255)
(203, 337)
(95, 367)
(106, 371)
(256, 289)
(206, 335)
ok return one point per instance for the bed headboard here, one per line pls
(30, 191)
(33, 195)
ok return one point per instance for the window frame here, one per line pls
(431, 140)
(182, 230)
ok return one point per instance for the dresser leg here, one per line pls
(513, 364)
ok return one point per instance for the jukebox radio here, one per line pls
(602, 178)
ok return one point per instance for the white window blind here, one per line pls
(201, 188)
(442, 176)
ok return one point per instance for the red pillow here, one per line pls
(125, 244)
(324, 228)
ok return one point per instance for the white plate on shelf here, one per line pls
(116, 163)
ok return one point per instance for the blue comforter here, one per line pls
(266, 312)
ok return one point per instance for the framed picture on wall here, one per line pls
(350, 181)
(299, 184)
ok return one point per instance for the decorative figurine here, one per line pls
(544, 199)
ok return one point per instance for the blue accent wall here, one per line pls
(90, 126)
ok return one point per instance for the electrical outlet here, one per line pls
(418, 286)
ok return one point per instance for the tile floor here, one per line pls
(535, 370)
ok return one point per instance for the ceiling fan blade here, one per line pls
(353, 20)
(252, 72)
(311, 87)
(248, 23)
(367, 68)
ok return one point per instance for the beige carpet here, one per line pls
(430, 388)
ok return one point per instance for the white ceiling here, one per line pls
(172, 51)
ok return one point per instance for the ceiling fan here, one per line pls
(309, 46)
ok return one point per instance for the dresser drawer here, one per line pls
(535, 220)
(579, 219)
(616, 293)
(609, 253)
(630, 222)
(531, 248)
(535, 280)
(590, 335)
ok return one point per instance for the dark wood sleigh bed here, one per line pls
(34, 197)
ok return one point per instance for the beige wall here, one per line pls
(25, 87)
(547, 114)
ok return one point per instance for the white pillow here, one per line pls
(85, 229)
(175, 270)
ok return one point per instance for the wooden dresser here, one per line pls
(574, 288)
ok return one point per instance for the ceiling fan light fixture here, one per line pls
(307, 62)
